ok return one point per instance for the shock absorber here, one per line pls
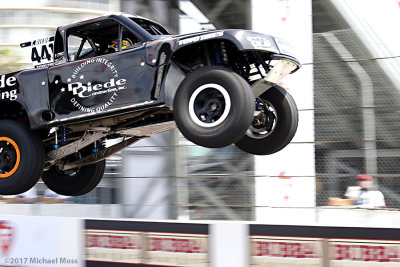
(64, 135)
(99, 145)
(95, 149)
(224, 53)
(220, 54)
(56, 145)
(218, 59)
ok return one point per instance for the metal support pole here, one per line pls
(367, 102)
(182, 188)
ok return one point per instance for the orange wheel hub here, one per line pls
(10, 157)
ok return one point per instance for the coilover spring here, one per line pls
(64, 135)
(220, 54)
(99, 145)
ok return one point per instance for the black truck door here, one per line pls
(104, 72)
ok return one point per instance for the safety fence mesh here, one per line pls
(356, 112)
(357, 104)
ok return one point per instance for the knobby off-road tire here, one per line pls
(213, 107)
(274, 127)
(21, 158)
(74, 182)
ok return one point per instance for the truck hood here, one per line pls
(243, 39)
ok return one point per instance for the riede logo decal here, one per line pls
(82, 90)
(7, 88)
(87, 90)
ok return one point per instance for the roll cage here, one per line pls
(98, 33)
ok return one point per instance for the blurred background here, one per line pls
(348, 95)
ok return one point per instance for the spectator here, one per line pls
(28, 197)
(362, 195)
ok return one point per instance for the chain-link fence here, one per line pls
(356, 117)
(357, 123)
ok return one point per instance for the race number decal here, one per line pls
(41, 51)
(42, 54)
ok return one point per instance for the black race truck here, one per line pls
(125, 78)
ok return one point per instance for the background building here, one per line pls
(347, 93)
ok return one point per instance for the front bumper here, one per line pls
(281, 69)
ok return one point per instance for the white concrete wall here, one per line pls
(287, 178)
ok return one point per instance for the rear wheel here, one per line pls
(21, 158)
(274, 125)
(74, 182)
(213, 107)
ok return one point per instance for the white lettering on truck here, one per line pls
(8, 93)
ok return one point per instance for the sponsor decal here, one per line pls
(57, 61)
(172, 249)
(177, 245)
(366, 252)
(259, 42)
(40, 41)
(87, 90)
(175, 249)
(80, 88)
(114, 246)
(8, 87)
(201, 38)
(276, 250)
(43, 40)
(6, 236)
(284, 249)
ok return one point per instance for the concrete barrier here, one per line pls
(342, 237)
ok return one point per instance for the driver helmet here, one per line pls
(124, 45)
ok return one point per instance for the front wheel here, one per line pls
(213, 107)
(274, 124)
(75, 182)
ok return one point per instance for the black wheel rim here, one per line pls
(209, 105)
(69, 174)
(265, 120)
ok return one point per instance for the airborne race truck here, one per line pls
(125, 77)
